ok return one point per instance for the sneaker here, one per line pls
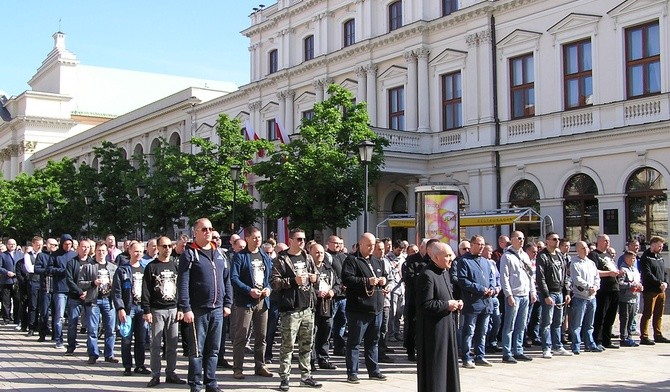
(283, 385)
(378, 377)
(469, 365)
(353, 379)
(647, 342)
(547, 354)
(263, 372)
(238, 375)
(310, 382)
(523, 358)
(173, 379)
(60, 346)
(509, 360)
(153, 382)
(142, 370)
(483, 362)
(628, 343)
(562, 352)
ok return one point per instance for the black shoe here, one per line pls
(537, 343)
(69, 352)
(223, 364)
(127, 372)
(142, 370)
(389, 350)
(310, 382)
(111, 360)
(612, 346)
(353, 379)
(386, 359)
(42, 339)
(338, 353)
(378, 377)
(327, 365)
(313, 367)
(153, 382)
(647, 342)
(509, 360)
(283, 385)
(173, 379)
(213, 389)
(411, 357)
(523, 358)
(92, 360)
(661, 339)
(30, 333)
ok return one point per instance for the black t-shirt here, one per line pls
(258, 270)
(303, 298)
(605, 263)
(160, 279)
(105, 287)
(137, 275)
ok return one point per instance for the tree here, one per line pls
(317, 180)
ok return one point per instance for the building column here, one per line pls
(281, 116)
(411, 94)
(411, 208)
(325, 82)
(254, 119)
(318, 89)
(289, 124)
(253, 64)
(617, 202)
(372, 93)
(424, 91)
(361, 86)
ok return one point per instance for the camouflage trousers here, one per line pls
(301, 325)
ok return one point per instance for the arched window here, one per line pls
(580, 209)
(395, 15)
(525, 194)
(273, 61)
(349, 33)
(308, 48)
(646, 205)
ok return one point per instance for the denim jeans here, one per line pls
(102, 307)
(208, 324)
(139, 332)
(76, 306)
(550, 327)
(514, 325)
(339, 324)
(474, 334)
(494, 324)
(363, 327)
(60, 301)
(581, 324)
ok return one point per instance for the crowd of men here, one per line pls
(326, 300)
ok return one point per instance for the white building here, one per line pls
(560, 105)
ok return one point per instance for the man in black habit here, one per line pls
(437, 359)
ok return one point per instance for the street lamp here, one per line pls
(141, 191)
(88, 199)
(235, 171)
(365, 150)
(50, 208)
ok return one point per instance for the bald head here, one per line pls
(442, 255)
(366, 244)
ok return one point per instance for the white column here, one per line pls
(325, 82)
(252, 61)
(366, 21)
(361, 87)
(372, 93)
(14, 161)
(281, 97)
(360, 15)
(424, 91)
(411, 208)
(411, 92)
(318, 89)
(254, 118)
(289, 122)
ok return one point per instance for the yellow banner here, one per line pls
(402, 222)
(494, 220)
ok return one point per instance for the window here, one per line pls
(525, 194)
(449, 6)
(272, 130)
(397, 108)
(643, 60)
(646, 205)
(451, 101)
(349, 29)
(522, 82)
(308, 46)
(308, 114)
(577, 79)
(273, 61)
(395, 15)
(580, 209)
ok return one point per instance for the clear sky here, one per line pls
(199, 38)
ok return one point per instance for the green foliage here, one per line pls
(317, 180)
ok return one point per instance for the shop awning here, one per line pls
(509, 216)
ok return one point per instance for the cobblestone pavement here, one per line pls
(27, 365)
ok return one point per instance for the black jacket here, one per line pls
(550, 275)
(291, 296)
(652, 270)
(361, 297)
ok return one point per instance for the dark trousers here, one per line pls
(22, 306)
(33, 304)
(273, 322)
(383, 329)
(45, 301)
(607, 305)
(9, 293)
(322, 328)
(339, 325)
(363, 328)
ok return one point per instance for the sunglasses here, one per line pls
(552, 239)
(215, 237)
(165, 246)
(206, 229)
(520, 238)
(300, 239)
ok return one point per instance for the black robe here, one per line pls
(437, 359)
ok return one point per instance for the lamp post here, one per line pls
(235, 171)
(50, 208)
(365, 150)
(88, 199)
(141, 191)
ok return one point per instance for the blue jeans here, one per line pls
(339, 324)
(514, 325)
(363, 327)
(552, 315)
(76, 306)
(60, 301)
(102, 307)
(208, 324)
(583, 311)
(139, 331)
(474, 334)
(273, 322)
(494, 324)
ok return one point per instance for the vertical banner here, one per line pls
(438, 213)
